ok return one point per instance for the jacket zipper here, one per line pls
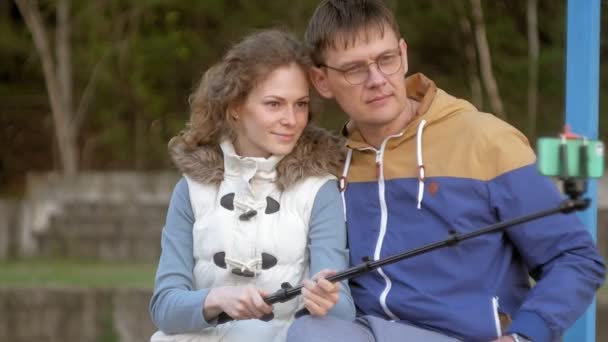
(495, 306)
(383, 223)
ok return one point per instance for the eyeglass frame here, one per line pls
(343, 71)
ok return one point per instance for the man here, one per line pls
(421, 165)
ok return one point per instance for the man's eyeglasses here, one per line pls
(388, 64)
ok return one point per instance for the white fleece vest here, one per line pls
(225, 242)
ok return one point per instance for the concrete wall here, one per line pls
(9, 214)
(70, 314)
(105, 231)
(94, 315)
(48, 193)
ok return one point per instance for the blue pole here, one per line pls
(582, 101)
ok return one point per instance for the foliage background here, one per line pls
(150, 55)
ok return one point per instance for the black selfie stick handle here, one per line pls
(287, 292)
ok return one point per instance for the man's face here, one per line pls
(380, 98)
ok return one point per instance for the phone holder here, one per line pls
(574, 187)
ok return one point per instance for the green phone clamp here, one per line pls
(574, 187)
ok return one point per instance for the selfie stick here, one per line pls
(288, 292)
(573, 187)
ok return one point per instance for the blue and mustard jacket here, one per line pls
(454, 170)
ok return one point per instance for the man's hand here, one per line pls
(319, 294)
(504, 339)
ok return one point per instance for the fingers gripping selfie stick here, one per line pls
(574, 186)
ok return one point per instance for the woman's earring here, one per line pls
(234, 115)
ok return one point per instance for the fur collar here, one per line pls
(317, 153)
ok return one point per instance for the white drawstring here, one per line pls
(420, 163)
(342, 181)
(251, 266)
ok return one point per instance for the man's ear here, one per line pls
(403, 48)
(319, 79)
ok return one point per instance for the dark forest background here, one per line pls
(104, 84)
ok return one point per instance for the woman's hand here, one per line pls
(319, 294)
(239, 302)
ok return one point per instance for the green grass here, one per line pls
(76, 273)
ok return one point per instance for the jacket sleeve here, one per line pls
(327, 236)
(557, 249)
(175, 306)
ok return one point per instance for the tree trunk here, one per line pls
(533, 53)
(57, 76)
(485, 60)
(68, 149)
(64, 74)
(139, 147)
(470, 55)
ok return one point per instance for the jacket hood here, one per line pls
(317, 153)
(435, 106)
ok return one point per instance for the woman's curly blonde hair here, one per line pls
(227, 83)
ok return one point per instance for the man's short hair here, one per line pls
(342, 22)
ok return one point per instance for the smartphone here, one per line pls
(577, 158)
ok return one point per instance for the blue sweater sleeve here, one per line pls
(557, 249)
(327, 236)
(175, 306)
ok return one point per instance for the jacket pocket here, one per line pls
(475, 318)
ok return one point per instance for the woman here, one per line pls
(257, 205)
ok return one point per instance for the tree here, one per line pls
(533, 52)
(56, 60)
(470, 53)
(485, 60)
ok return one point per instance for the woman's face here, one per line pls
(274, 114)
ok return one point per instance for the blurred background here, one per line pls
(91, 92)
